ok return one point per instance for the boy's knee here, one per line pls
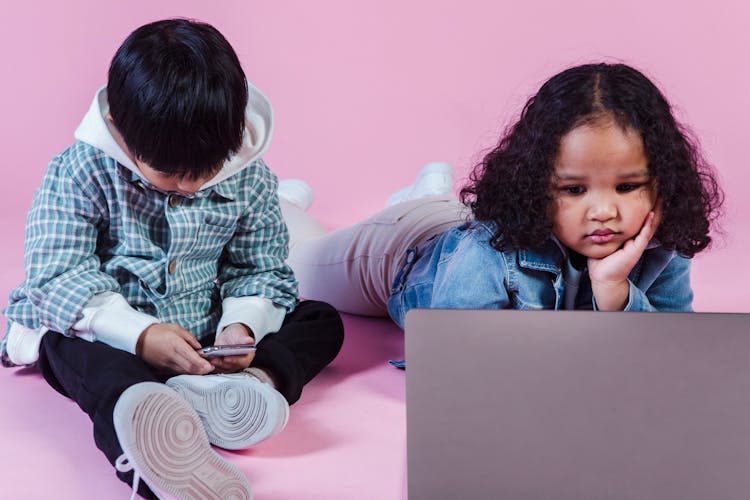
(314, 310)
(323, 312)
(324, 319)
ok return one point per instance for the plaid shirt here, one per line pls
(95, 226)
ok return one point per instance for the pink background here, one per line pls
(365, 92)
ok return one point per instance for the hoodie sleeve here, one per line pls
(254, 267)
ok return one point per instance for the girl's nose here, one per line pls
(602, 209)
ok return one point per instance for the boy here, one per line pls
(158, 232)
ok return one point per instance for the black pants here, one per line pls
(95, 374)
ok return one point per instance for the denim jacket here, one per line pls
(459, 269)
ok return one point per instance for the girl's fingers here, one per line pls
(646, 233)
(653, 219)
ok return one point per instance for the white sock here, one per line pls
(434, 179)
(261, 375)
(297, 192)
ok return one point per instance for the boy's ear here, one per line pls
(109, 118)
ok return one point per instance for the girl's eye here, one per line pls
(628, 187)
(572, 190)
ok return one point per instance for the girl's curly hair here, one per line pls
(512, 185)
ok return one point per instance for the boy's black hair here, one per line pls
(177, 95)
(512, 184)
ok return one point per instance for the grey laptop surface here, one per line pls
(578, 405)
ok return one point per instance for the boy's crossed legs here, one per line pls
(136, 417)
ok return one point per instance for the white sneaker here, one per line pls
(434, 179)
(163, 443)
(237, 409)
(297, 192)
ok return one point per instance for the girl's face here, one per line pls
(601, 188)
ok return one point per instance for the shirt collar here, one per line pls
(226, 188)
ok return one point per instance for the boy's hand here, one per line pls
(236, 333)
(609, 276)
(170, 347)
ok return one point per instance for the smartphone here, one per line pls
(226, 350)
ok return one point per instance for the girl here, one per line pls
(595, 199)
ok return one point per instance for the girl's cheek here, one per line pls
(647, 200)
(648, 195)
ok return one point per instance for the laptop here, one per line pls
(559, 405)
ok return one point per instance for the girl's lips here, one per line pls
(602, 236)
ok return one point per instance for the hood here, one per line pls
(95, 130)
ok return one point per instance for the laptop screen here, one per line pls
(577, 405)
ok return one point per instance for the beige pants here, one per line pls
(353, 268)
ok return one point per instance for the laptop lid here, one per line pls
(577, 405)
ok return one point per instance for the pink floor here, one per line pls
(346, 436)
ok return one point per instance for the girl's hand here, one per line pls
(236, 333)
(171, 348)
(609, 275)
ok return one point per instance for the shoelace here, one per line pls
(122, 464)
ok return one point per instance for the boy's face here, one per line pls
(601, 190)
(173, 183)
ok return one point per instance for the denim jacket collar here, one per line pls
(552, 254)
(550, 257)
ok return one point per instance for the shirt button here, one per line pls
(172, 267)
(174, 201)
(144, 285)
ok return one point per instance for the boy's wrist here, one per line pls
(235, 333)
(141, 340)
(241, 326)
(260, 315)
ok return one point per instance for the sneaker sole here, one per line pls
(237, 412)
(164, 440)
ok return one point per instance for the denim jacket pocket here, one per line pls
(409, 259)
